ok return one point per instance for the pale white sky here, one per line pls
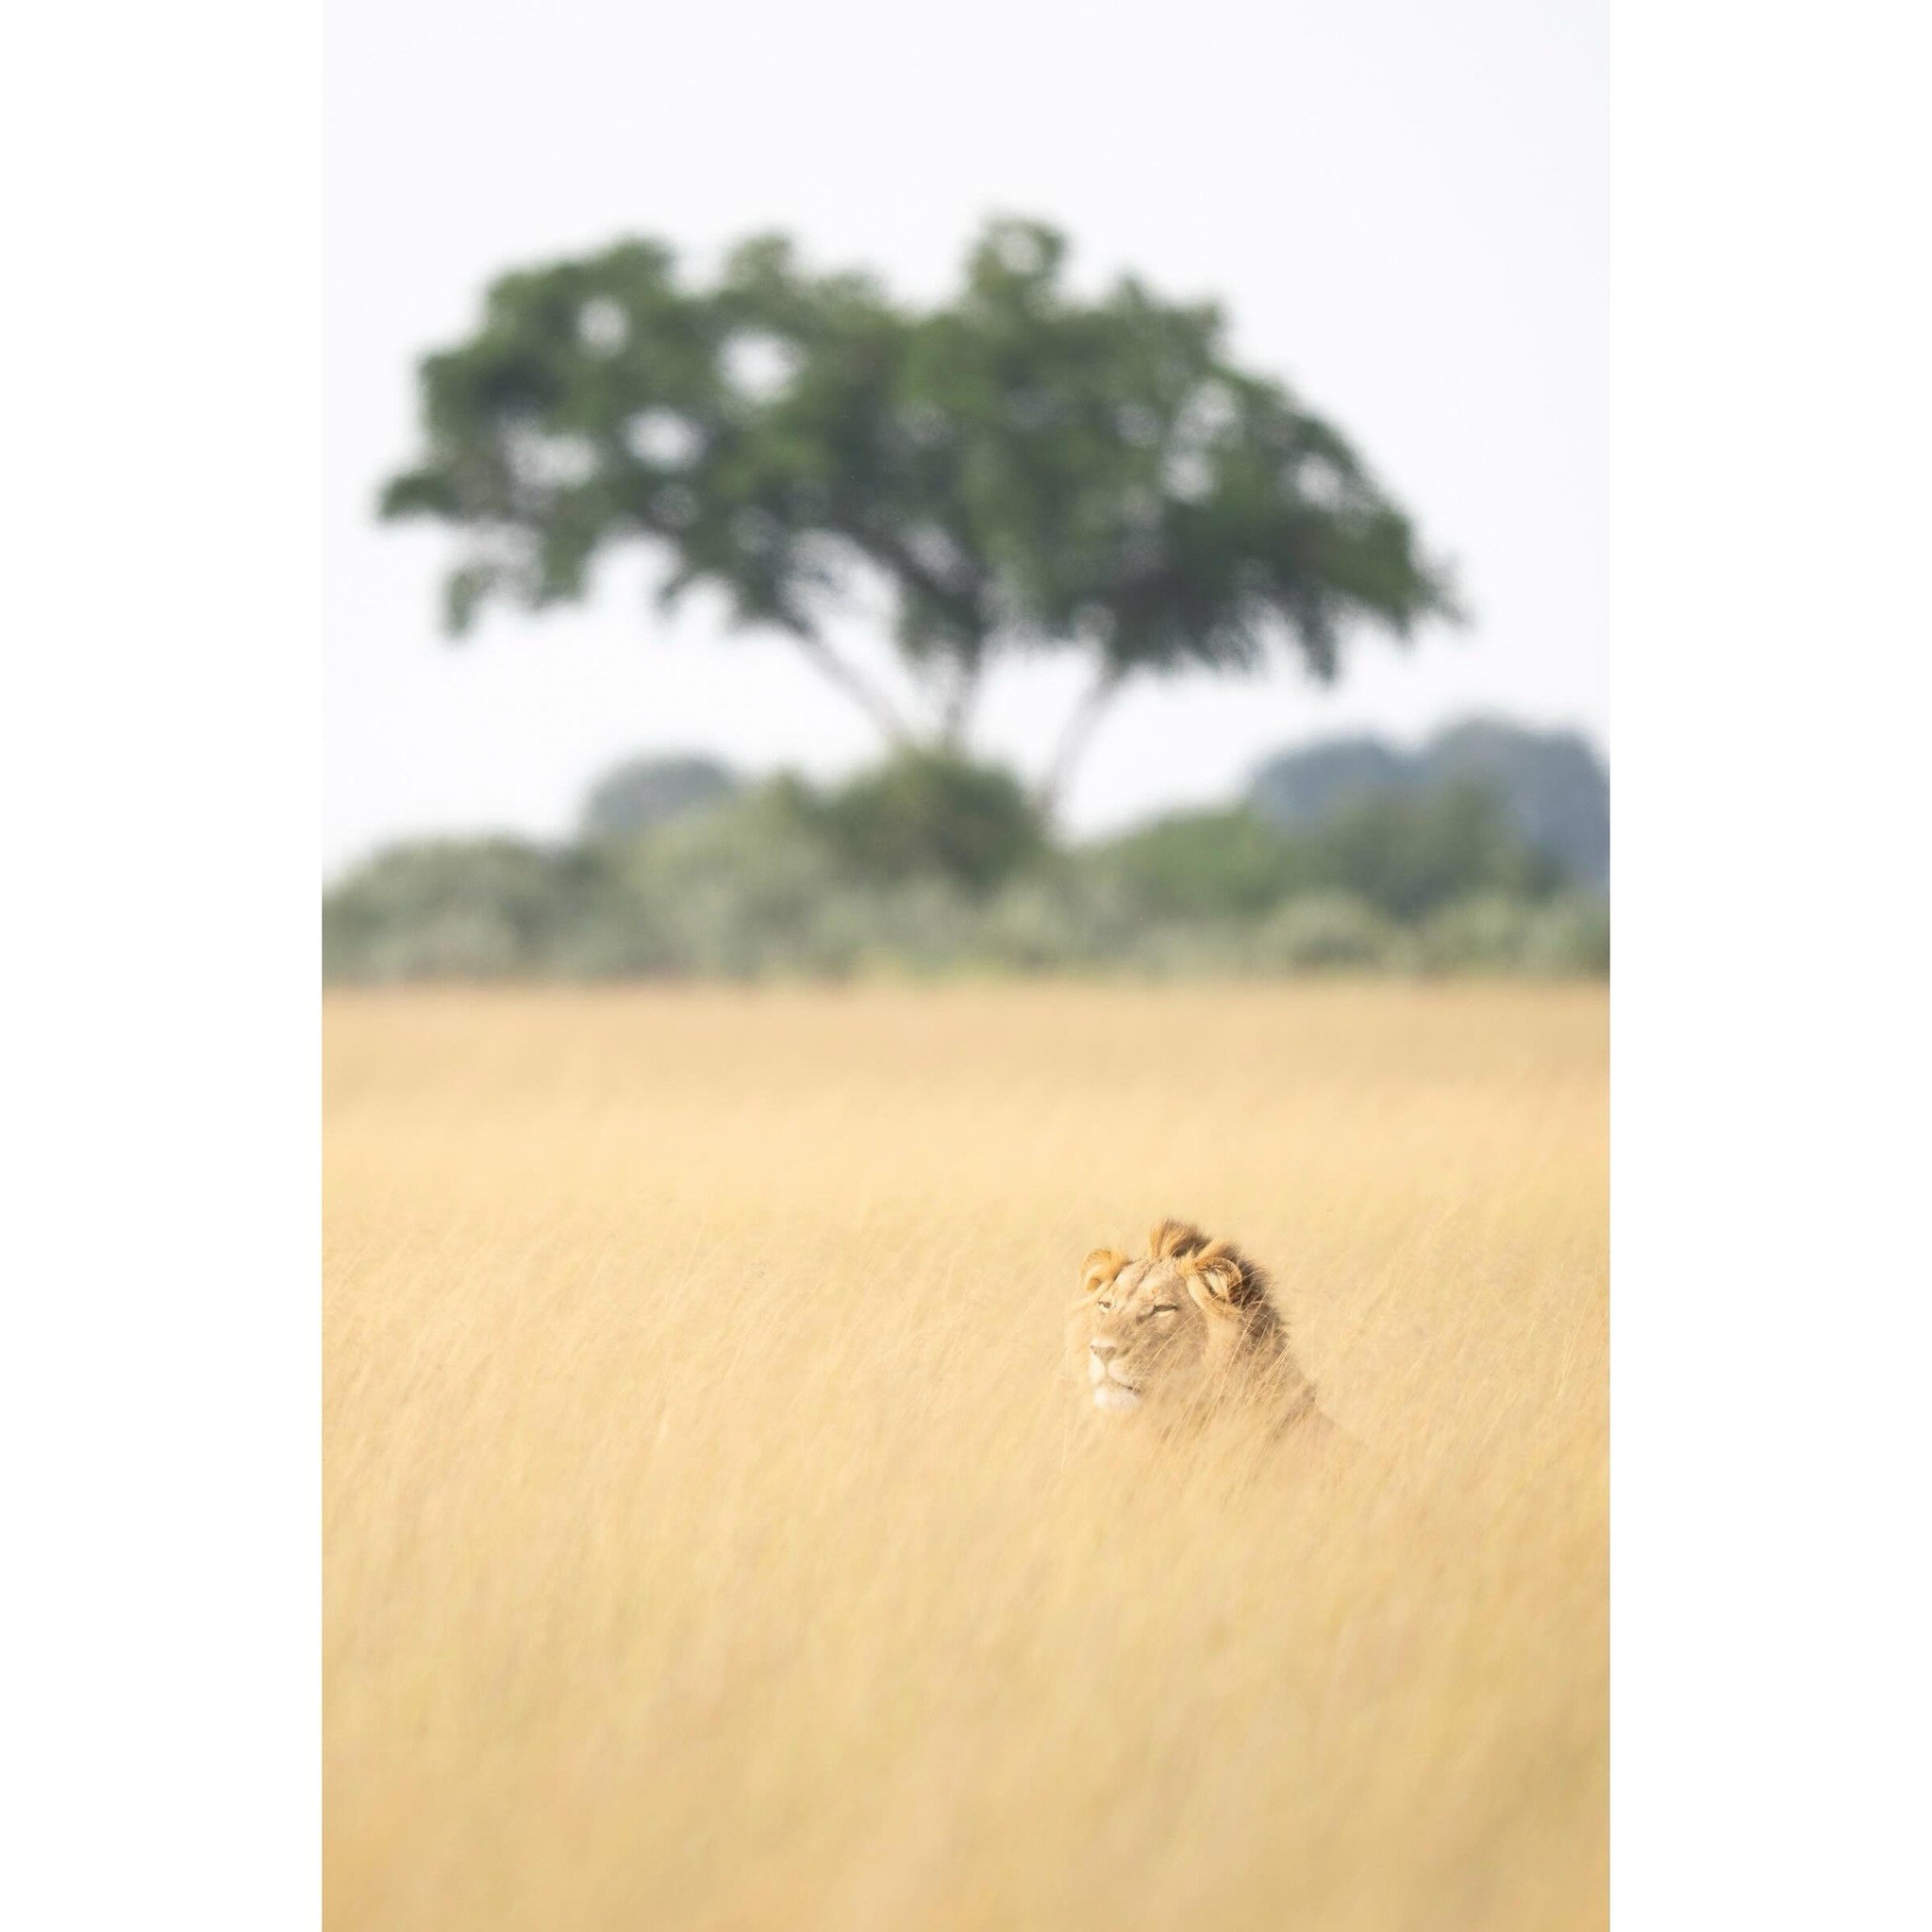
(1404, 206)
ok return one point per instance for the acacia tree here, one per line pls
(1019, 469)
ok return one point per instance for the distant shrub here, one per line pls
(929, 815)
(1403, 853)
(738, 892)
(1486, 934)
(1062, 920)
(1551, 786)
(448, 908)
(619, 939)
(1325, 932)
(1189, 949)
(1410, 855)
(1030, 928)
(1203, 864)
(645, 792)
(925, 927)
(1570, 934)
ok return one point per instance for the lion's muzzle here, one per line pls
(1113, 1388)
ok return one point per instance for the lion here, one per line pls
(1190, 1330)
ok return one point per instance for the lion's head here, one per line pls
(1188, 1327)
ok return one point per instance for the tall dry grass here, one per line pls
(712, 1543)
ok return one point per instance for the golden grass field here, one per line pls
(712, 1540)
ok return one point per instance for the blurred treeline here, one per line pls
(1487, 850)
(1025, 465)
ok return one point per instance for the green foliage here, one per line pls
(1327, 932)
(740, 891)
(1570, 934)
(1298, 789)
(641, 792)
(1018, 467)
(932, 815)
(1409, 854)
(1496, 933)
(1058, 919)
(1208, 864)
(929, 866)
(1402, 854)
(1488, 933)
(451, 909)
(1551, 786)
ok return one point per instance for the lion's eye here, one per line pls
(1106, 1308)
(1166, 1308)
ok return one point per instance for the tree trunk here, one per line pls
(958, 709)
(1077, 737)
(859, 688)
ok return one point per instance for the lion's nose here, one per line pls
(1103, 1348)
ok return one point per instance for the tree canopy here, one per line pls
(1019, 468)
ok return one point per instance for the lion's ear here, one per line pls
(1099, 1269)
(1167, 1239)
(1222, 1275)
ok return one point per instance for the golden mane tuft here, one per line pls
(1231, 1277)
(1167, 1239)
(1099, 1267)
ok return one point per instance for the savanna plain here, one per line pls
(714, 1537)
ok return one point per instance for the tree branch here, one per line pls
(1079, 731)
(958, 705)
(962, 600)
(859, 688)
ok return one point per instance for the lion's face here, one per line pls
(1164, 1333)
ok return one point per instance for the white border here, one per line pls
(159, 1358)
(1769, 1606)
